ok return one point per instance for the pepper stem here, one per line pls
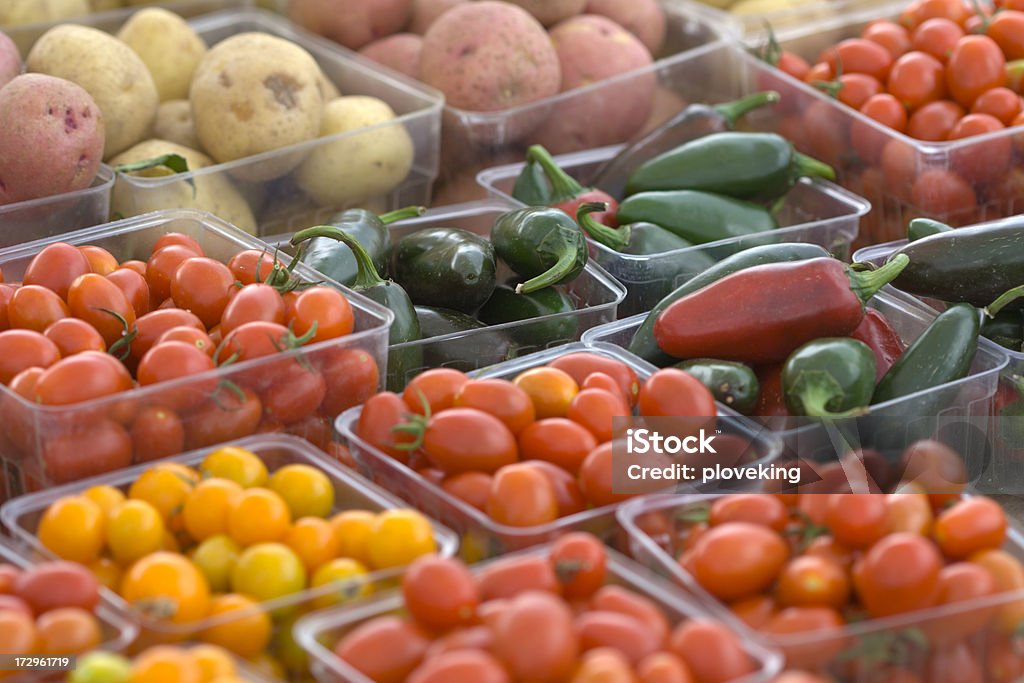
(865, 284)
(366, 273)
(563, 185)
(612, 238)
(1006, 298)
(735, 110)
(401, 214)
(815, 389)
(809, 167)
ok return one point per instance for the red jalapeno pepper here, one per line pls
(875, 331)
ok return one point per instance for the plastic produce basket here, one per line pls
(117, 632)
(45, 445)
(351, 491)
(267, 183)
(604, 113)
(482, 536)
(49, 216)
(318, 632)
(868, 645)
(595, 294)
(961, 409)
(817, 212)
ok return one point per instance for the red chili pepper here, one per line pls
(763, 313)
(567, 193)
(771, 401)
(875, 331)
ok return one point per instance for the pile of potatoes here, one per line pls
(495, 56)
(162, 90)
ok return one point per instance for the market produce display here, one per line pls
(202, 663)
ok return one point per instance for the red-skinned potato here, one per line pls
(52, 138)
(426, 12)
(400, 52)
(10, 60)
(353, 23)
(550, 12)
(643, 18)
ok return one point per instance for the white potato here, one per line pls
(168, 46)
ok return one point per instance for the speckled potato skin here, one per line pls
(19, 12)
(643, 18)
(169, 48)
(489, 56)
(550, 12)
(592, 49)
(254, 93)
(426, 12)
(51, 141)
(109, 71)
(400, 52)
(174, 123)
(353, 23)
(10, 60)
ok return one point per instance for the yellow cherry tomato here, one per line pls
(258, 515)
(307, 491)
(164, 488)
(347, 580)
(215, 661)
(216, 557)
(551, 390)
(267, 571)
(239, 625)
(206, 508)
(167, 586)
(170, 543)
(268, 665)
(313, 540)
(133, 530)
(189, 474)
(241, 466)
(72, 529)
(107, 572)
(166, 664)
(398, 538)
(352, 529)
(107, 497)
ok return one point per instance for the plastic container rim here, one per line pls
(104, 180)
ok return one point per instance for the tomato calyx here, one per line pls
(414, 424)
(122, 347)
(230, 386)
(806, 532)
(832, 88)
(157, 608)
(880, 650)
(771, 53)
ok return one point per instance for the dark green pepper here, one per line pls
(404, 328)
(699, 217)
(644, 344)
(614, 238)
(446, 267)
(829, 377)
(943, 353)
(532, 186)
(506, 306)
(542, 244)
(648, 238)
(733, 384)
(760, 166)
(335, 260)
(465, 352)
(923, 227)
(1005, 329)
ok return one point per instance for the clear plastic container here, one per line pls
(959, 411)
(482, 536)
(318, 632)
(50, 216)
(817, 212)
(608, 112)
(25, 35)
(351, 492)
(268, 197)
(43, 445)
(859, 651)
(117, 632)
(595, 294)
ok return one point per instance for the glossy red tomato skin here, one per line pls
(23, 349)
(102, 446)
(975, 65)
(55, 267)
(324, 307)
(82, 377)
(580, 365)
(33, 307)
(101, 303)
(252, 303)
(157, 432)
(352, 377)
(57, 584)
(134, 287)
(385, 649)
(204, 286)
(534, 638)
(712, 652)
(898, 574)
(175, 360)
(151, 326)
(295, 394)
(463, 439)
(161, 266)
(251, 266)
(224, 417)
(72, 336)
(381, 413)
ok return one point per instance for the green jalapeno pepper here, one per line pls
(923, 227)
(446, 267)
(465, 353)
(334, 258)
(699, 217)
(733, 384)
(741, 165)
(532, 186)
(829, 377)
(1005, 329)
(542, 244)
(506, 306)
(404, 328)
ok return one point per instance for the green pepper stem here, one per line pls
(563, 185)
(401, 214)
(816, 389)
(612, 238)
(809, 167)
(865, 284)
(735, 110)
(366, 273)
(923, 227)
(1006, 298)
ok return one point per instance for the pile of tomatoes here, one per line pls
(48, 610)
(554, 615)
(799, 568)
(81, 326)
(196, 663)
(186, 545)
(529, 450)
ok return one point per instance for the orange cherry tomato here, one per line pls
(557, 440)
(437, 387)
(975, 65)
(521, 496)
(499, 397)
